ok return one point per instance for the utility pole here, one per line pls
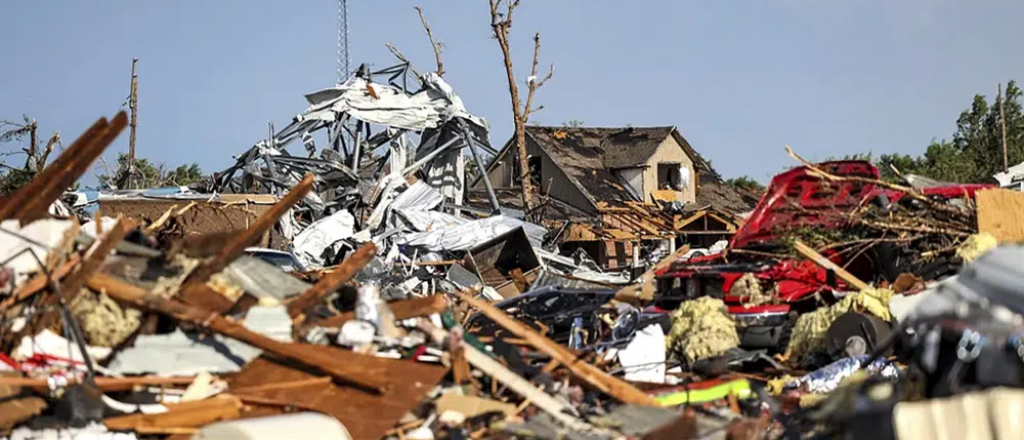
(133, 106)
(1002, 121)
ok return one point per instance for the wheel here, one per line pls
(856, 334)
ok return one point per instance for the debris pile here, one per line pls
(356, 293)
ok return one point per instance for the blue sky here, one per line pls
(739, 78)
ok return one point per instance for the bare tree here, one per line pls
(436, 45)
(501, 24)
(35, 157)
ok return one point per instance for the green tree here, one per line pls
(573, 123)
(746, 183)
(150, 175)
(975, 152)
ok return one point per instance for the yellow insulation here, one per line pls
(810, 329)
(976, 246)
(701, 328)
(104, 322)
(748, 286)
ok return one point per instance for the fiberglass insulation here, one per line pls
(811, 328)
(701, 328)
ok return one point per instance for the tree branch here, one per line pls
(533, 83)
(438, 47)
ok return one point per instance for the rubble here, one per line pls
(396, 303)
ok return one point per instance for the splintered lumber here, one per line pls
(95, 257)
(104, 383)
(365, 415)
(332, 280)
(39, 282)
(191, 291)
(55, 185)
(182, 415)
(337, 367)
(555, 408)
(590, 374)
(16, 203)
(820, 260)
(643, 292)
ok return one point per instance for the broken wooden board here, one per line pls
(340, 366)
(1001, 213)
(472, 406)
(15, 407)
(365, 415)
(820, 260)
(331, 281)
(586, 372)
(182, 415)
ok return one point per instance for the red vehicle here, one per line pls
(797, 199)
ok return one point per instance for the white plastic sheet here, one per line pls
(324, 233)
(643, 360)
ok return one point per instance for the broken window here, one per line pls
(534, 164)
(670, 176)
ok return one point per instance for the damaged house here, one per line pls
(622, 194)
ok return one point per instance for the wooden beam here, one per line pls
(820, 260)
(590, 374)
(95, 257)
(104, 383)
(331, 281)
(337, 367)
(40, 202)
(14, 205)
(515, 382)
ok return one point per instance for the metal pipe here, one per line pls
(430, 156)
(480, 166)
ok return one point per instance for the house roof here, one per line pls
(588, 155)
(611, 148)
(714, 192)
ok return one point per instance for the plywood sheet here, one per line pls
(366, 416)
(1001, 213)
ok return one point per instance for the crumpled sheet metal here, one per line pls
(424, 221)
(309, 245)
(262, 279)
(466, 235)
(428, 108)
(828, 378)
(702, 328)
(420, 196)
(811, 328)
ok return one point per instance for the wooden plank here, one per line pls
(95, 257)
(104, 383)
(190, 291)
(183, 415)
(37, 283)
(590, 374)
(331, 281)
(15, 204)
(514, 382)
(40, 202)
(820, 260)
(343, 367)
(1001, 213)
(365, 415)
